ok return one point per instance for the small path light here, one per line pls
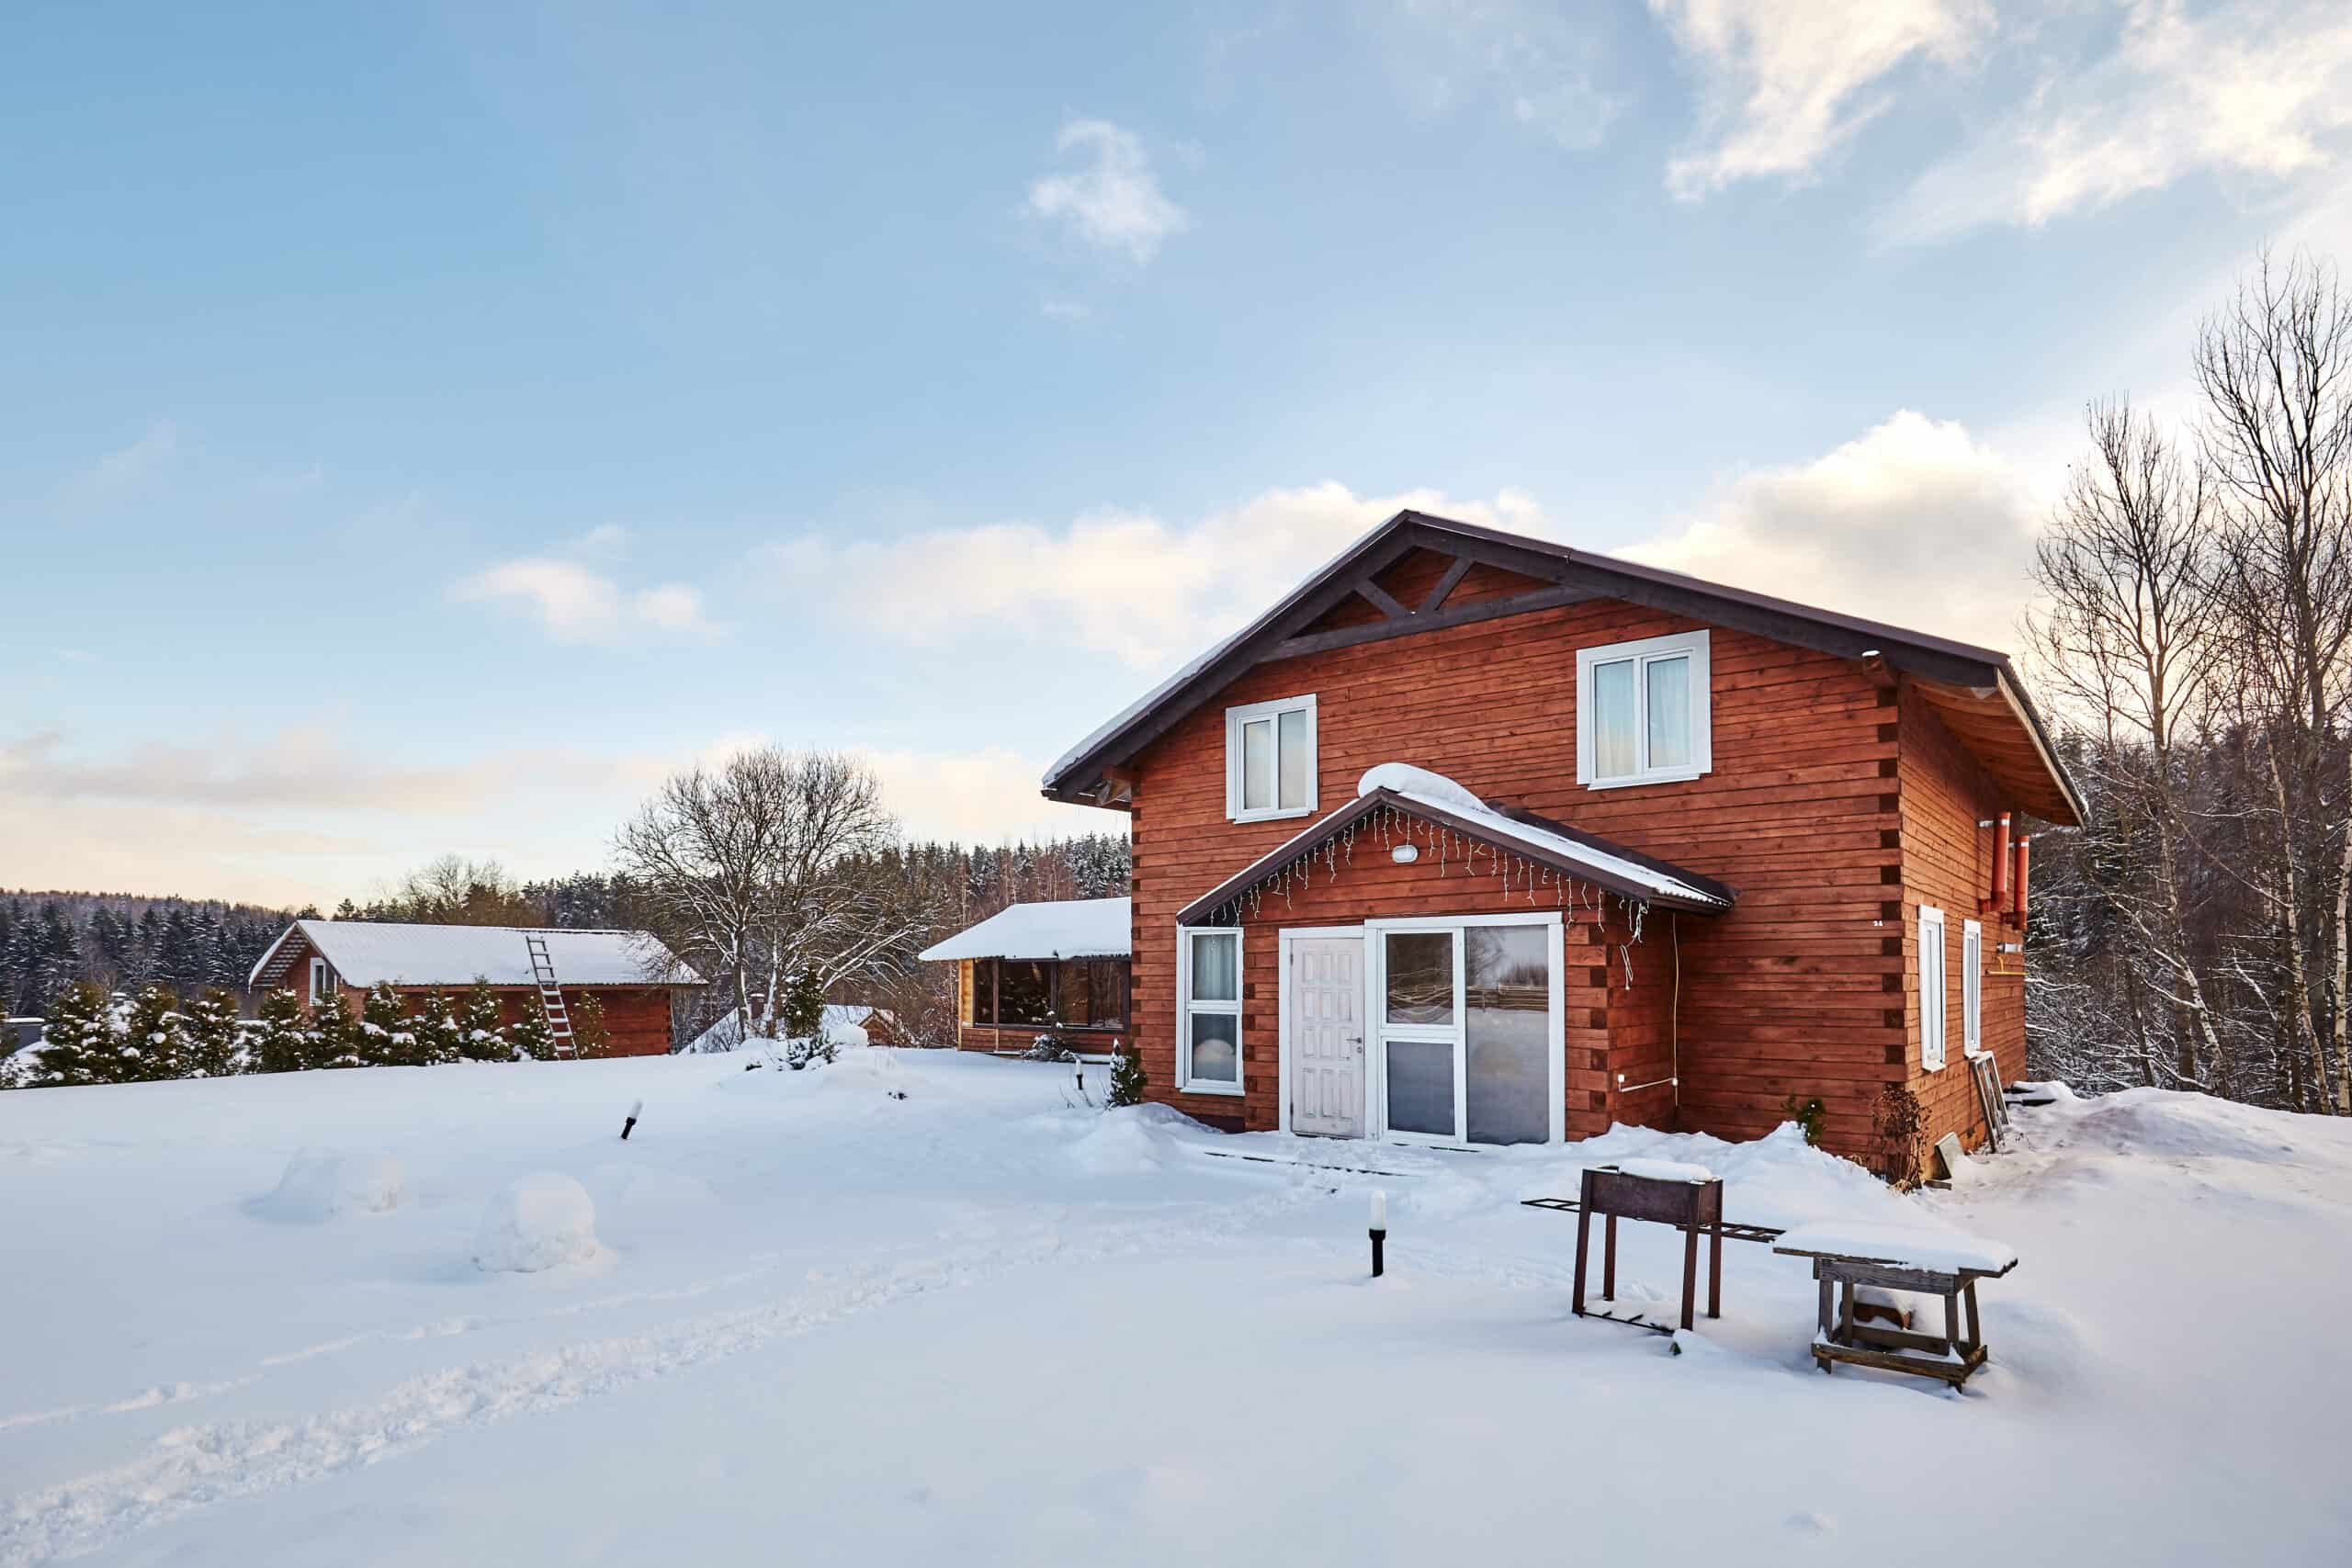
(1379, 1232)
(631, 1126)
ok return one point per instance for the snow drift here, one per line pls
(321, 1184)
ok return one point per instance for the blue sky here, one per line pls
(430, 425)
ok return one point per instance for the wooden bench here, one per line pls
(1848, 1258)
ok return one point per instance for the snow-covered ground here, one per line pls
(351, 1317)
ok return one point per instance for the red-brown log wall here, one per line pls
(1794, 992)
(1947, 863)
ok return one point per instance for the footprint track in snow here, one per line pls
(192, 1467)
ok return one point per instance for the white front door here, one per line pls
(1324, 994)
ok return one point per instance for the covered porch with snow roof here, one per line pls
(1424, 966)
(1059, 967)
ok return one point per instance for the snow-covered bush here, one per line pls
(149, 1044)
(280, 1041)
(589, 1034)
(805, 1051)
(533, 1039)
(208, 1031)
(387, 1037)
(335, 1037)
(77, 1045)
(484, 1026)
(537, 1222)
(1126, 1077)
(440, 1038)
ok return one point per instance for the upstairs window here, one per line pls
(1641, 712)
(1270, 759)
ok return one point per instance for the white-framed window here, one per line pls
(322, 981)
(1467, 1028)
(1270, 759)
(1641, 712)
(1931, 987)
(1209, 1010)
(1971, 988)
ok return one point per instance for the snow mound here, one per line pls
(1128, 1141)
(2170, 1123)
(541, 1220)
(1406, 779)
(320, 1184)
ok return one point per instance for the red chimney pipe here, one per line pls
(2000, 862)
(2018, 884)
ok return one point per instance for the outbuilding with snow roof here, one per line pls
(633, 975)
(1057, 965)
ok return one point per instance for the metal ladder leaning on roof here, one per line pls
(550, 993)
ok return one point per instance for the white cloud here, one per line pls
(1065, 310)
(982, 797)
(577, 604)
(2254, 90)
(1115, 202)
(125, 468)
(1786, 85)
(1125, 583)
(1529, 60)
(303, 814)
(1915, 523)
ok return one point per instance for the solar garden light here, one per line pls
(1379, 1230)
(634, 1106)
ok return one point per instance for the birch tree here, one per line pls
(2129, 638)
(2275, 367)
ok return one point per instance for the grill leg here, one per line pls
(1608, 1258)
(1690, 1272)
(1584, 1249)
(1715, 1270)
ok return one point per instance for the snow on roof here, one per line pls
(1438, 791)
(365, 952)
(1942, 1251)
(1067, 928)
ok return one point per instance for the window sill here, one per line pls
(1231, 1090)
(1681, 775)
(1926, 1067)
(1294, 811)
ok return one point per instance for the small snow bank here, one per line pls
(1130, 1139)
(323, 1184)
(1406, 779)
(2174, 1124)
(538, 1222)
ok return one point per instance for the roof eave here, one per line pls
(1310, 839)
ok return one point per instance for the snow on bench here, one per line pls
(1939, 1252)
(1663, 1169)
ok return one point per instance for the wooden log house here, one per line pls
(1475, 838)
(632, 976)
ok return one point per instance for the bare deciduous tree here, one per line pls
(2276, 370)
(2129, 640)
(749, 871)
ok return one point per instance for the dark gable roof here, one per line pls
(1975, 689)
